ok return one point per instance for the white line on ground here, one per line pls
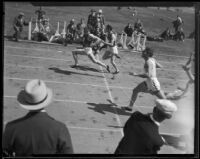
(70, 83)
(85, 102)
(44, 58)
(38, 57)
(111, 98)
(101, 129)
(15, 65)
(41, 49)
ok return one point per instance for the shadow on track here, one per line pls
(66, 72)
(86, 68)
(103, 108)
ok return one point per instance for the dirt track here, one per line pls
(81, 96)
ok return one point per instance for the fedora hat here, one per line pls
(166, 106)
(35, 95)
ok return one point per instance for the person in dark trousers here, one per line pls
(36, 133)
(128, 30)
(141, 131)
(18, 25)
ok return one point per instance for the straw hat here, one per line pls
(35, 95)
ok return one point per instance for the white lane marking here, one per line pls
(101, 129)
(111, 98)
(16, 65)
(41, 49)
(83, 84)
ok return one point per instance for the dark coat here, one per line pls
(37, 133)
(141, 136)
(128, 30)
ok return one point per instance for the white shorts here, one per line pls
(84, 51)
(153, 84)
(113, 50)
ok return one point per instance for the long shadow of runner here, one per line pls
(66, 72)
(103, 108)
(86, 68)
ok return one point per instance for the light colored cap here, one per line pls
(21, 13)
(166, 106)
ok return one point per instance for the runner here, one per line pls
(189, 69)
(89, 42)
(112, 51)
(151, 85)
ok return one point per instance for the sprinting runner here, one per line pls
(189, 69)
(151, 84)
(112, 51)
(89, 41)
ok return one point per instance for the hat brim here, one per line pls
(23, 103)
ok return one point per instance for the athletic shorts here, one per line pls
(84, 51)
(109, 52)
(153, 84)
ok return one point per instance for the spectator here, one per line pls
(177, 23)
(100, 24)
(71, 30)
(91, 23)
(18, 24)
(80, 28)
(141, 131)
(40, 13)
(36, 133)
(128, 30)
(166, 35)
(138, 25)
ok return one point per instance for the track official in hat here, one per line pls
(36, 133)
(141, 131)
(18, 25)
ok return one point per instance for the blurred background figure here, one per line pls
(128, 30)
(18, 25)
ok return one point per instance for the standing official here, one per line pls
(18, 25)
(36, 133)
(141, 131)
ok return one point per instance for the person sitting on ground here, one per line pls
(18, 25)
(36, 133)
(128, 30)
(92, 21)
(89, 41)
(71, 31)
(179, 35)
(141, 131)
(166, 35)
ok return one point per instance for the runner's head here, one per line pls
(108, 28)
(148, 52)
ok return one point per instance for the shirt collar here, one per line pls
(156, 122)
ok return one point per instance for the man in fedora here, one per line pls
(18, 25)
(141, 131)
(36, 133)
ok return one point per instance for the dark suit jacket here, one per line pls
(141, 136)
(37, 133)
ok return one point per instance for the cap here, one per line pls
(100, 11)
(166, 106)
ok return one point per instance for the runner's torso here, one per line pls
(152, 64)
(111, 37)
